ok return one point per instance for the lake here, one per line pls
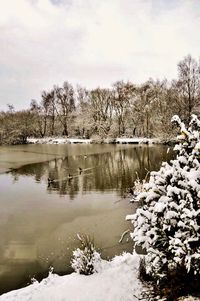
(40, 218)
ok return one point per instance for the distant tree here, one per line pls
(142, 110)
(125, 109)
(11, 108)
(65, 105)
(24, 125)
(15, 127)
(45, 107)
(188, 86)
(41, 115)
(49, 101)
(83, 120)
(122, 95)
(101, 109)
(151, 108)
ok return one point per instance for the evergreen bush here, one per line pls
(167, 225)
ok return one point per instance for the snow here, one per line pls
(61, 140)
(189, 298)
(129, 217)
(116, 280)
(169, 214)
(159, 207)
(70, 140)
(137, 140)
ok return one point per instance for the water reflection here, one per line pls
(39, 218)
(17, 250)
(106, 171)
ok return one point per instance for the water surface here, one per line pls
(39, 219)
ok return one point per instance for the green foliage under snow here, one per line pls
(167, 225)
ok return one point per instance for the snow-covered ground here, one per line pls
(116, 280)
(60, 140)
(137, 140)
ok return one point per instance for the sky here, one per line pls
(92, 43)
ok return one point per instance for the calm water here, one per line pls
(39, 220)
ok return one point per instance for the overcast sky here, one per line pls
(91, 42)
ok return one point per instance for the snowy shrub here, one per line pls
(85, 259)
(139, 186)
(167, 225)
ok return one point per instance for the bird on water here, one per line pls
(50, 180)
(70, 177)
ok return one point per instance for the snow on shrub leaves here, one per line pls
(85, 259)
(168, 223)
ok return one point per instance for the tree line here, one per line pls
(125, 109)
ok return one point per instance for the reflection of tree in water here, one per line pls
(114, 170)
(37, 170)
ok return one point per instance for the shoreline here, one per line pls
(120, 273)
(61, 140)
(14, 160)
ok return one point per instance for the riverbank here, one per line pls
(61, 140)
(116, 280)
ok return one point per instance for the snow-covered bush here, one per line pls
(85, 259)
(167, 225)
(139, 186)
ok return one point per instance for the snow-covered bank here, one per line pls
(137, 140)
(60, 140)
(189, 298)
(116, 281)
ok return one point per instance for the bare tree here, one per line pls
(36, 109)
(41, 113)
(65, 105)
(102, 106)
(188, 85)
(83, 121)
(122, 94)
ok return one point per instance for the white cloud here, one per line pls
(92, 42)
